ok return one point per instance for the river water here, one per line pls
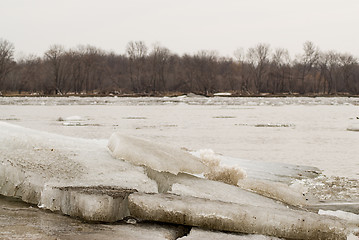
(303, 131)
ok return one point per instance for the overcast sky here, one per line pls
(183, 26)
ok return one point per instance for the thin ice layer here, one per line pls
(156, 156)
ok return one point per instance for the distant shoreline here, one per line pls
(177, 94)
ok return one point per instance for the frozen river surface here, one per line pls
(318, 132)
(304, 131)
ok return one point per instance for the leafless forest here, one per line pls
(155, 70)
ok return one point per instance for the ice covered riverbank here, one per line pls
(80, 178)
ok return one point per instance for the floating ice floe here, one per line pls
(72, 121)
(353, 127)
(75, 121)
(146, 181)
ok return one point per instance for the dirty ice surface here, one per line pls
(315, 132)
(197, 233)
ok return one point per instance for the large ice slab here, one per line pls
(54, 157)
(40, 167)
(217, 215)
(156, 156)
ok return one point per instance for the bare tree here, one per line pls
(279, 72)
(348, 63)
(6, 59)
(187, 80)
(76, 70)
(137, 53)
(329, 63)
(117, 67)
(89, 69)
(57, 67)
(306, 62)
(205, 63)
(159, 58)
(30, 78)
(90, 62)
(243, 68)
(258, 57)
(228, 73)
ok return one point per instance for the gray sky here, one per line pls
(183, 26)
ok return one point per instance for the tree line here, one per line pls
(157, 70)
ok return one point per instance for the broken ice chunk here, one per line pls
(217, 215)
(92, 203)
